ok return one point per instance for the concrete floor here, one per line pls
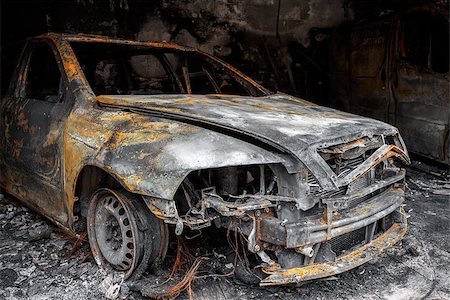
(37, 261)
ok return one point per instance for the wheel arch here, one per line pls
(89, 179)
(92, 177)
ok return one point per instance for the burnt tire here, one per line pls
(124, 234)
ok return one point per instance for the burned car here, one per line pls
(134, 140)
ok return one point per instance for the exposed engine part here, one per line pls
(228, 181)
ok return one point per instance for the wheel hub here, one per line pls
(114, 233)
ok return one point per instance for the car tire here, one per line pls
(124, 234)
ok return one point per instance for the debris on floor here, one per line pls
(111, 285)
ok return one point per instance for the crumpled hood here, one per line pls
(286, 122)
(280, 123)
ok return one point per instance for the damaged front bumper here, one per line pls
(342, 264)
(317, 233)
(310, 231)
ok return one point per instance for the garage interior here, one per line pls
(387, 60)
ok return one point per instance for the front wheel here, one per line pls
(123, 233)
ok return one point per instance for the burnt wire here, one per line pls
(184, 258)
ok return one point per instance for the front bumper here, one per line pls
(317, 231)
(342, 264)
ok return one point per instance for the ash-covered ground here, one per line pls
(39, 261)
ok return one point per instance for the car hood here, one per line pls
(278, 125)
(280, 121)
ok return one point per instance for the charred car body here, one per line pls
(135, 138)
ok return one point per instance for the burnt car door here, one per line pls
(33, 115)
(421, 88)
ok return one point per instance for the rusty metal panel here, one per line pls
(423, 109)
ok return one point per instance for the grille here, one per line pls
(339, 166)
(329, 194)
(312, 180)
(317, 191)
(347, 241)
(345, 165)
(313, 184)
(342, 165)
(355, 202)
(361, 183)
(346, 157)
(386, 223)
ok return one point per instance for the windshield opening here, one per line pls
(123, 69)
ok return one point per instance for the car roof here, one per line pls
(92, 38)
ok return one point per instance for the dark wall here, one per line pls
(283, 44)
(23, 19)
(253, 35)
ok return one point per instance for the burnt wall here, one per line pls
(22, 19)
(283, 44)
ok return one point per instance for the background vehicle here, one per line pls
(395, 69)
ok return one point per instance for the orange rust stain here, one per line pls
(77, 153)
(113, 102)
(22, 122)
(138, 137)
(188, 101)
(264, 106)
(303, 272)
(71, 69)
(344, 263)
(86, 135)
(32, 129)
(17, 148)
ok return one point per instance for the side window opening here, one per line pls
(425, 43)
(43, 79)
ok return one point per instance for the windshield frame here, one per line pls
(251, 86)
